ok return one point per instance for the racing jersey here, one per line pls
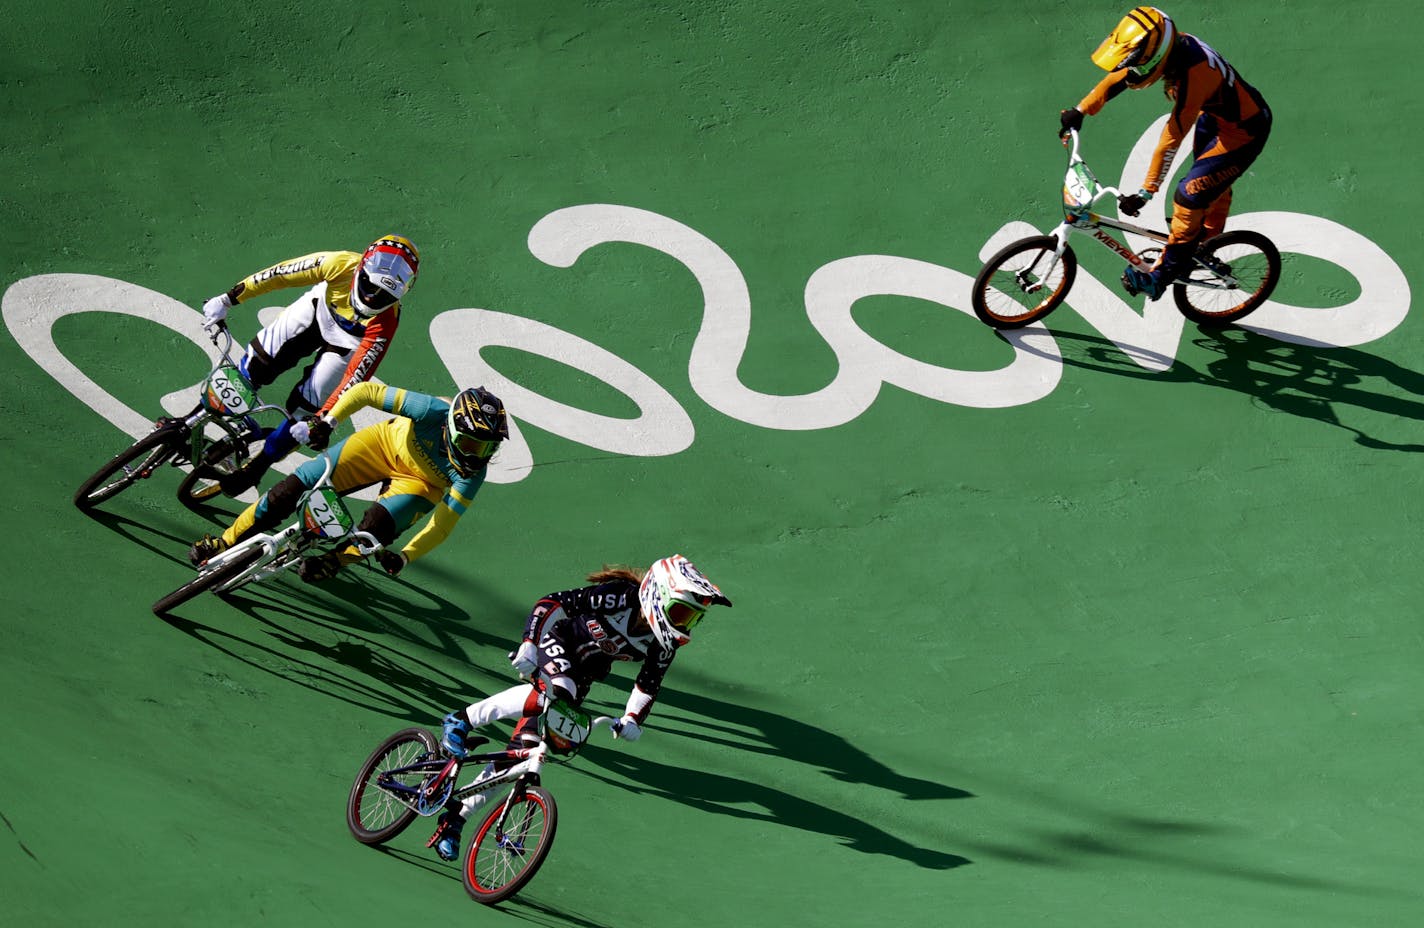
(602, 624)
(335, 269)
(1200, 83)
(416, 443)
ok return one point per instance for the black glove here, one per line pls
(1071, 118)
(391, 561)
(319, 434)
(319, 568)
(1132, 204)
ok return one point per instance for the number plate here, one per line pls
(569, 722)
(228, 393)
(1079, 185)
(326, 515)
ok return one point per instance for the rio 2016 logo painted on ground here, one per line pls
(32, 306)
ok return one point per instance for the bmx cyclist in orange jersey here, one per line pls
(1230, 119)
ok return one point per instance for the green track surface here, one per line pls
(1144, 651)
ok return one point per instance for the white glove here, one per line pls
(526, 659)
(215, 310)
(302, 432)
(628, 729)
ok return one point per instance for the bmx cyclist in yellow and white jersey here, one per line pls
(344, 321)
(431, 457)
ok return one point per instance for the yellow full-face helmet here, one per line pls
(1141, 43)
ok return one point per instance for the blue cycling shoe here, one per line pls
(457, 726)
(1149, 283)
(446, 839)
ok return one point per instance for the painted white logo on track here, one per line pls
(1150, 338)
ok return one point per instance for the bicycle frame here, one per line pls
(321, 515)
(437, 788)
(1081, 192)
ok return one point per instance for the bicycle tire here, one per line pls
(207, 581)
(360, 821)
(998, 285)
(517, 867)
(200, 484)
(146, 455)
(1254, 261)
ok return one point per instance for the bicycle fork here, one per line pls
(1030, 279)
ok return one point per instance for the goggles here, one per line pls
(469, 446)
(684, 616)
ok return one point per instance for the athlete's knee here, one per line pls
(299, 401)
(378, 522)
(562, 688)
(281, 501)
(259, 367)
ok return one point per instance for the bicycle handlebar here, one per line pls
(366, 543)
(1070, 140)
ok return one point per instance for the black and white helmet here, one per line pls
(474, 428)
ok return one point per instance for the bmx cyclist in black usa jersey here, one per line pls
(571, 640)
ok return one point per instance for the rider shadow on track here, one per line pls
(747, 728)
(718, 722)
(757, 801)
(1310, 381)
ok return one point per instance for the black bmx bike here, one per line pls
(216, 438)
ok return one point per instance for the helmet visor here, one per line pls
(683, 616)
(384, 277)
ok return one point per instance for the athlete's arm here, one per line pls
(380, 331)
(298, 272)
(396, 400)
(648, 684)
(443, 518)
(1195, 88)
(1110, 86)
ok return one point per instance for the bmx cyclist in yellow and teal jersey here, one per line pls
(345, 322)
(1229, 118)
(432, 458)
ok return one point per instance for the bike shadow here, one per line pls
(356, 641)
(526, 906)
(357, 671)
(130, 530)
(1310, 381)
(362, 598)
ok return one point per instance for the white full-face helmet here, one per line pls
(387, 270)
(674, 595)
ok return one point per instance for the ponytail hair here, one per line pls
(612, 572)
